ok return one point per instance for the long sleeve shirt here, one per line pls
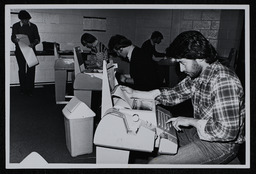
(150, 49)
(30, 30)
(142, 71)
(218, 101)
(100, 53)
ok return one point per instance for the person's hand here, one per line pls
(122, 78)
(99, 56)
(16, 40)
(151, 95)
(126, 89)
(179, 121)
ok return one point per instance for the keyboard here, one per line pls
(163, 115)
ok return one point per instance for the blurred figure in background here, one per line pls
(149, 48)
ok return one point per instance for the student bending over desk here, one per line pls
(216, 130)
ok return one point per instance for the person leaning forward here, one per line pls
(98, 49)
(142, 76)
(213, 134)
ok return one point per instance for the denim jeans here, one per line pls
(192, 150)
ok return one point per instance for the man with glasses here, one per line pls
(98, 50)
(142, 71)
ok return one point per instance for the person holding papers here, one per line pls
(215, 130)
(25, 27)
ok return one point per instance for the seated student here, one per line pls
(142, 76)
(216, 130)
(98, 49)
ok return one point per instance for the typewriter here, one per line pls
(130, 124)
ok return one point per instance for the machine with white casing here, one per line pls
(130, 124)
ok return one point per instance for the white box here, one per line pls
(78, 122)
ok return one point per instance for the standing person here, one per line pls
(98, 49)
(142, 72)
(215, 131)
(149, 47)
(26, 74)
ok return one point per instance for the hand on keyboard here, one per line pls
(180, 121)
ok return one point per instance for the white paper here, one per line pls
(118, 92)
(27, 51)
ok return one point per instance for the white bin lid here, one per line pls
(77, 109)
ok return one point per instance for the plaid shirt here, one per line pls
(218, 101)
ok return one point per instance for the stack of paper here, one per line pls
(27, 51)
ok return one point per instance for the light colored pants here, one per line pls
(192, 150)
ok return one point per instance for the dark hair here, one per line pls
(87, 38)
(156, 34)
(118, 41)
(23, 14)
(192, 45)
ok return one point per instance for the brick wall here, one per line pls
(221, 27)
(230, 31)
(205, 21)
(65, 26)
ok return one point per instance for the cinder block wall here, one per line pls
(205, 21)
(65, 26)
(222, 27)
(230, 32)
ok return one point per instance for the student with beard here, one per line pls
(215, 130)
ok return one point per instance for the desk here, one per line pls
(44, 71)
(84, 84)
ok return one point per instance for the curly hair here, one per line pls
(192, 45)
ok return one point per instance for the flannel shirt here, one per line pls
(218, 101)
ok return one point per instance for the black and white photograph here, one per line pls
(127, 86)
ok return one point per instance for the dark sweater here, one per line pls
(30, 30)
(142, 71)
(150, 50)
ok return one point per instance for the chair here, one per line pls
(235, 161)
(232, 59)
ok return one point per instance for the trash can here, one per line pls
(78, 120)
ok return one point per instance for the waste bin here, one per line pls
(78, 120)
